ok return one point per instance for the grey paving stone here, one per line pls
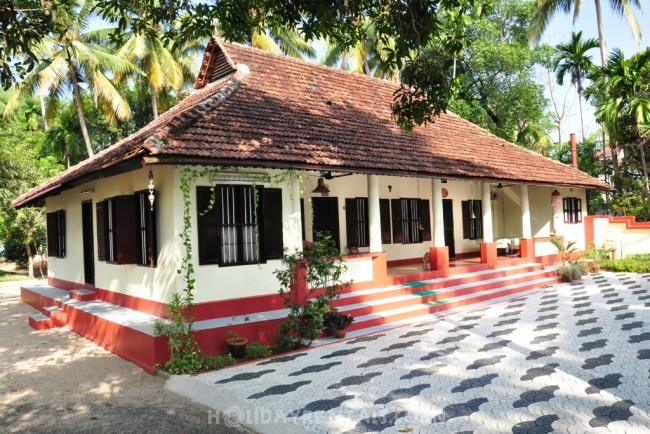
(548, 326)
(377, 423)
(494, 345)
(422, 372)
(245, 376)
(541, 425)
(626, 315)
(609, 381)
(281, 389)
(404, 393)
(399, 346)
(282, 359)
(534, 355)
(588, 346)
(634, 339)
(380, 361)
(547, 309)
(480, 363)
(321, 405)
(544, 338)
(582, 305)
(440, 353)
(314, 368)
(632, 325)
(472, 383)
(355, 380)
(527, 398)
(586, 321)
(463, 327)
(415, 333)
(533, 373)
(368, 338)
(507, 322)
(584, 312)
(591, 331)
(341, 353)
(643, 355)
(605, 415)
(451, 339)
(594, 362)
(547, 317)
(503, 332)
(618, 308)
(457, 410)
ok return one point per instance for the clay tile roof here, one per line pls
(255, 108)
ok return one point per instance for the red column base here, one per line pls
(440, 260)
(527, 248)
(489, 254)
(379, 268)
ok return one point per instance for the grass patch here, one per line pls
(633, 264)
(6, 276)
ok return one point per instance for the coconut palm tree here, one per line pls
(367, 56)
(546, 9)
(571, 59)
(282, 40)
(72, 58)
(628, 98)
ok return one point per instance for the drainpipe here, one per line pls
(574, 152)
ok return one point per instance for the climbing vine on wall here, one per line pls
(185, 353)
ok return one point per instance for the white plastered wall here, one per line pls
(150, 283)
(616, 235)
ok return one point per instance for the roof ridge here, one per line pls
(308, 62)
(156, 142)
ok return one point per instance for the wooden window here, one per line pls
(356, 222)
(572, 210)
(146, 229)
(56, 234)
(411, 220)
(384, 215)
(239, 228)
(116, 230)
(472, 219)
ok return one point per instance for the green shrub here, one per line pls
(569, 271)
(639, 263)
(257, 350)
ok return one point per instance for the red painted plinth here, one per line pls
(440, 260)
(527, 248)
(489, 254)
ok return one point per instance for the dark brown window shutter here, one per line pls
(125, 229)
(208, 222)
(396, 208)
(425, 217)
(153, 237)
(271, 211)
(351, 222)
(384, 212)
(467, 225)
(52, 234)
(100, 210)
(478, 212)
(62, 243)
(302, 217)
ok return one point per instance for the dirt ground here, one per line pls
(56, 381)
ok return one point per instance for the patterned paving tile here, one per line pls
(516, 366)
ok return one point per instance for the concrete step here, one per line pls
(398, 314)
(40, 321)
(83, 295)
(57, 314)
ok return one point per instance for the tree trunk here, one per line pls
(80, 113)
(601, 33)
(154, 100)
(43, 112)
(31, 261)
(582, 121)
(644, 167)
(40, 263)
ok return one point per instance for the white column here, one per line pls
(526, 230)
(438, 219)
(488, 233)
(293, 237)
(374, 216)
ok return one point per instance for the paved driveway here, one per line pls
(572, 358)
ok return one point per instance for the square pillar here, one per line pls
(527, 248)
(440, 260)
(379, 269)
(489, 254)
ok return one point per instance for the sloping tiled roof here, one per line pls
(289, 113)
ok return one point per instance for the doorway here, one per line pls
(88, 244)
(448, 223)
(326, 217)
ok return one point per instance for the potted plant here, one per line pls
(236, 343)
(339, 322)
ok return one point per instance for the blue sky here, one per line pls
(617, 34)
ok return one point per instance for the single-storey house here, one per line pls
(296, 148)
